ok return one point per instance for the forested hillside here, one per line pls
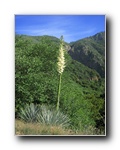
(83, 83)
(91, 52)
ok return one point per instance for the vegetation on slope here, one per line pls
(36, 80)
(91, 52)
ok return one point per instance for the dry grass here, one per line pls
(22, 128)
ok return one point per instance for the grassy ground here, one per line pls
(22, 128)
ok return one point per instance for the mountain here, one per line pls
(90, 51)
(83, 85)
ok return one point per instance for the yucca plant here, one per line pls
(43, 115)
(60, 68)
(29, 113)
(52, 117)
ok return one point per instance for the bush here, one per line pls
(42, 114)
(52, 117)
(29, 113)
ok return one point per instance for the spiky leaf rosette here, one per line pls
(52, 117)
(29, 113)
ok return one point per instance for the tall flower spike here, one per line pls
(61, 66)
(61, 58)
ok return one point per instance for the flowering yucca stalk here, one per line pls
(60, 68)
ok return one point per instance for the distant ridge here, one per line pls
(91, 52)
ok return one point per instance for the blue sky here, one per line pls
(72, 27)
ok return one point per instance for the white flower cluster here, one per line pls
(61, 60)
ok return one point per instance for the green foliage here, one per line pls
(44, 115)
(35, 73)
(52, 117)
(36, 81)
(91, 52)
(29, 113)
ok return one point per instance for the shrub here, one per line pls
(29, 113)
(44, 115)
(52, 117)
